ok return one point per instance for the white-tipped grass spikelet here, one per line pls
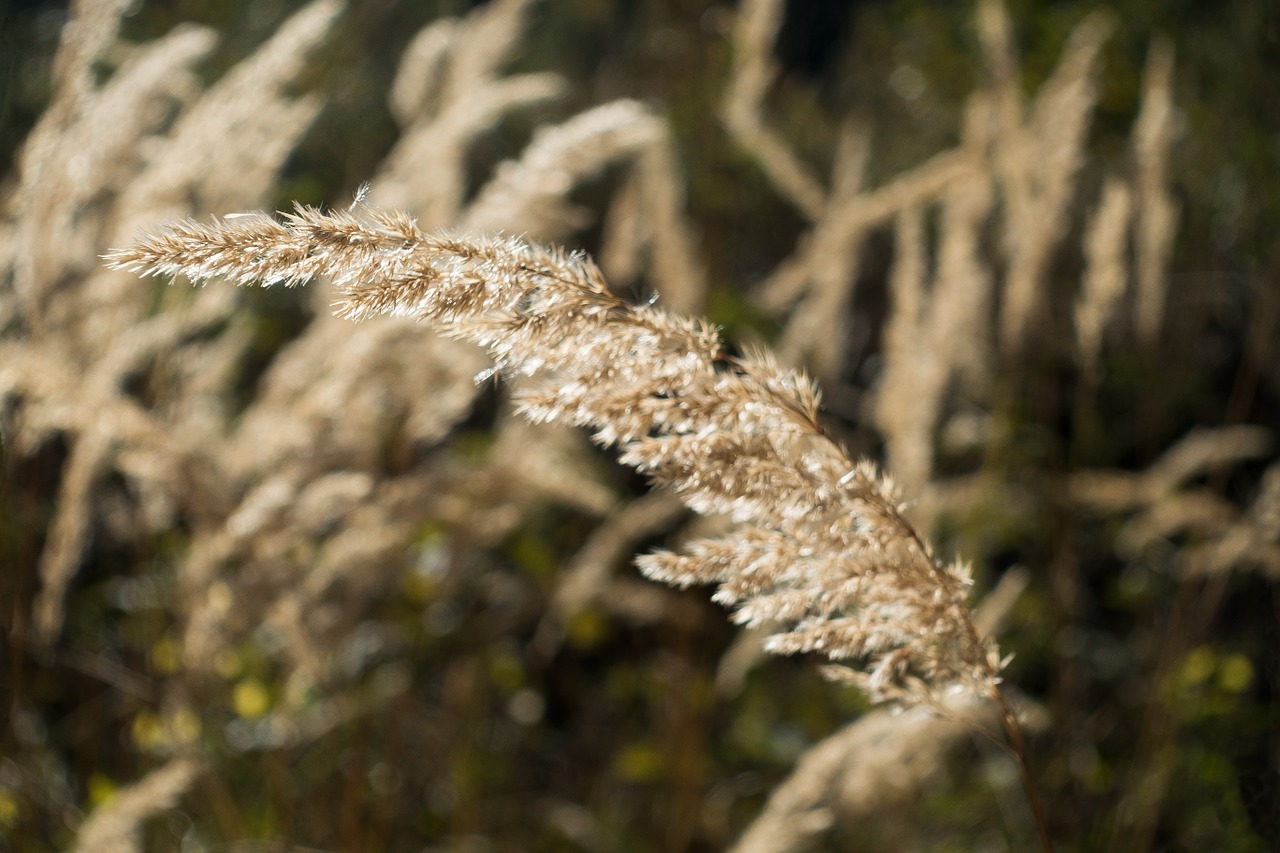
(820, 555)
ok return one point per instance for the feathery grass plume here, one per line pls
(298, 538)
(70, 529)
(222, 152)
(426, 169)
(1037, 159)
(1251, 541)
(116, 825)
(876, 764)
(623, 237)
(420, 76)
(821, 555)
(58, 399)
(489, 39)
(108, 155)
(936, 320)
(1038, 166)
(1028, 155)
(89, 148)
(826, 264)
(448, 92)
(909, 399)
(874, 767)
(91, 29)
(199, 158)
(754, 29)
(822, 548)
(824, 268)
(1193, 513)
(529, 194)
(90, 32)
(1106, 244)
(1000, 55)
(1009, 157)
(1203, 451)
(820, 277)
(1166, 503)
(1157, 212)
(1199, 453)
(328, 388)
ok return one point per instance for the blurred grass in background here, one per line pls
(459, 730)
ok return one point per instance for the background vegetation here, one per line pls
(429, 636)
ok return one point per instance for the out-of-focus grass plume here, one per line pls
(272, 579)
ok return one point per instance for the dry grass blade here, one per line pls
(754, 71)
(1157, 215)
(822, 548)
(1039, 163)
(1106, 273)
(116, 825)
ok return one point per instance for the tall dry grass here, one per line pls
(307, 581)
